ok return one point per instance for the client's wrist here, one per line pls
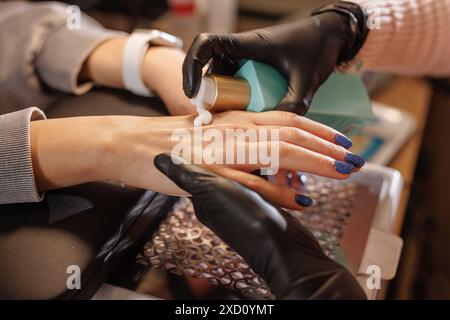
(162, 65)
(134, 144)
(104, 65)
(163, 75)
(69, 151)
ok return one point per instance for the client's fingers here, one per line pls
(287, 119)
(287, 178)
(289, 156)
(281, 195)
(314, 143)
(297, 158)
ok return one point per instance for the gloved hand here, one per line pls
(305, 52)
(284, 253)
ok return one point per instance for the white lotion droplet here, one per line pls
(198, 121)
(204, 116)
(207, 117)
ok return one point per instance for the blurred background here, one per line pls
(423, 157)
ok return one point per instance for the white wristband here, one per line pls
(134, 52)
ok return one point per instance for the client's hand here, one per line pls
(276, 245)
(122, 148)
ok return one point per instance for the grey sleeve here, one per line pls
(44, 45)
(70, 43)
(17, 182)
(41, 47)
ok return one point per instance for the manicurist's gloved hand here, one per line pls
(305, 52)
(276, 245)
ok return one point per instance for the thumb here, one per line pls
(204, 48)
(291, 103)
(203, 185)
(299, 96)
(191, 178)
(227, 49)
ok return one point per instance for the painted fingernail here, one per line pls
(343, 141)
(301, 178)
(355, 160)
(343, 167)
(289, 178)
(303, 200)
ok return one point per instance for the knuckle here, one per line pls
(253, 183)
(302, 136)
(295, 134)
(335, 150)
(289, 117)
(202, 37)
(325, 162)
(330, 149)
(285, 149)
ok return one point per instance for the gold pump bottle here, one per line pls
(225, 93)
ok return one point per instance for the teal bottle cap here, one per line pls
(267, 85)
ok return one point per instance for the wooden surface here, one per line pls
(414, 97)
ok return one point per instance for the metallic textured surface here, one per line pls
(184, 246)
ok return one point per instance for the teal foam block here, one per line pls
(267, 85)
(342, 103)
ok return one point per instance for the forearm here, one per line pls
(161, 72)
(68, 151)
(71, 151)
(407, 37)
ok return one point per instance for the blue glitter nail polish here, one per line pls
(289, 178)
(355, 160)
(303, 200)
(343, 141)
(343, 167)
(301, 178)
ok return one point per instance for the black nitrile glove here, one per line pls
(284, 253)
(305, 52)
